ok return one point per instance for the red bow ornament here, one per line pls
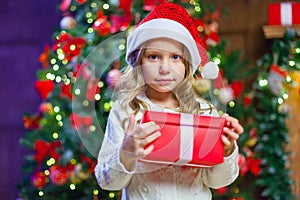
(44, 149)
(79, 121)
(71, 46)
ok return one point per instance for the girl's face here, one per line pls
(162, 65)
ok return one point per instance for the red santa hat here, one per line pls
(169, 20)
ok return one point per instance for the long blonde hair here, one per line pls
(132, 84)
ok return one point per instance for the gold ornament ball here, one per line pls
(202, 85)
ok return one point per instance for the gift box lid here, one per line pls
(174, 119)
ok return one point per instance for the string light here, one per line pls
(216, 92)
(292, 63)
(90, 30)
(60, 123)
(96, 192)
(72, 186)
(100, 84)
(88, 15)
(56, 109)
(121, 47)
(73, 79)
(50, 76)
(217, 60)
(106, 106)
(73, 161)
(50, 162)
(58, 117)
(85, 103)
(231, 104)
(61, 56)
(55, 67)
(90, 21)
(73, 8)
(67, 81)
(97, 97)
(92, 128)
(64, 61)
(55, 135)
(197, 9)
(41, 193)
(77, 91)
(58, 79)
(280, 101)
(263, 82)
(72, 47)
(111, 195)
(93, 5)
(105, 6)
(53, 61)
(47, 172)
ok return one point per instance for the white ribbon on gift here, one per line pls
(286, 13)
(186, 139)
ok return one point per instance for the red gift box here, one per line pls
(287, 13)
(186, 139)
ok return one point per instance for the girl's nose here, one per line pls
(164, 67)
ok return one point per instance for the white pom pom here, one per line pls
(210, 70)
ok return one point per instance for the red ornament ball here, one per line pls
(58, 175)
(39, 180)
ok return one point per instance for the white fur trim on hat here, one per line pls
(163, 28)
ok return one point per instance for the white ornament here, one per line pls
(275, 83)
(225, 95)
(67, 22)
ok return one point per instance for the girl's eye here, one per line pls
(153, 57)
(176, 57)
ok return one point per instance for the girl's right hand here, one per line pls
(135, 140)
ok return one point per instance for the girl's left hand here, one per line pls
(232, 131)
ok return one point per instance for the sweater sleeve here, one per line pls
(223, 174)
(109, 171)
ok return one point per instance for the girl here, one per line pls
(163, 52)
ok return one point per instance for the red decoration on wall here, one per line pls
(44, 87)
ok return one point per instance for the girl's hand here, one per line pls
(232, 131)
(135, 140)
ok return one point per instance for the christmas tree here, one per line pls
(264, 172)
(76, 81)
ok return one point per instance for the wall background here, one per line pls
(25, 27)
